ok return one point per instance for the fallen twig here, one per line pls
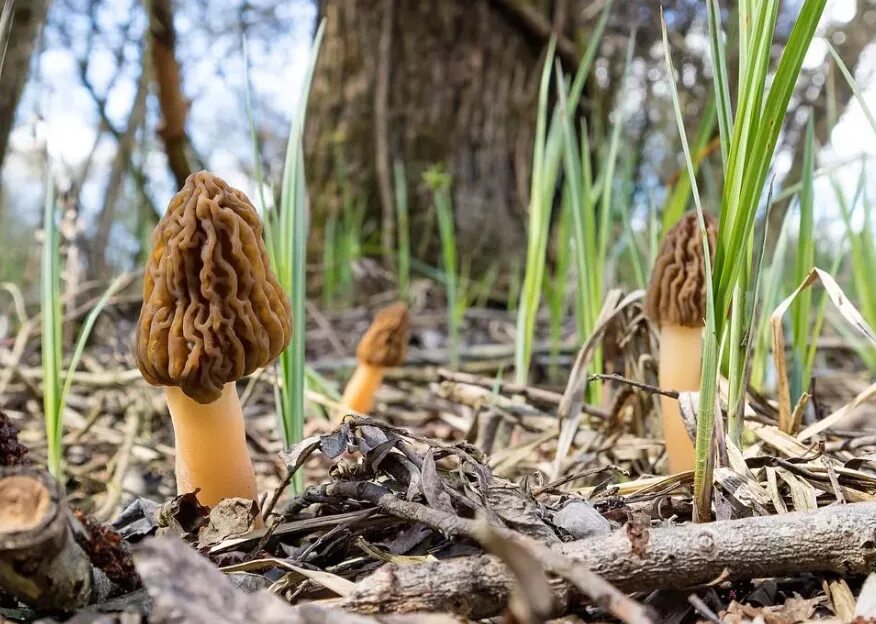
(839, 539)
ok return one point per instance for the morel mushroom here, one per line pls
(676, 302)
(213, 312)
(383, 345)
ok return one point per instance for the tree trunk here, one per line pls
(28, 16)
(421, 83)
(173, 104)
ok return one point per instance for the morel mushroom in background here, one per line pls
(213, 312)
(383, 345)
(676, 302)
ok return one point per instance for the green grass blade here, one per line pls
(723, 104)
(709, 379)
(800, 312)
(439, 181)
(540, 200)
(404, 242)
(85, 332)
(50, 314)
(853, 85)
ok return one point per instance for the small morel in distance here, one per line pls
(676, 302)
(384, 345)
(213, 312)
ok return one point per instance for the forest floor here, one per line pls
(576, 514)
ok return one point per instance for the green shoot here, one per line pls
(555, 287)
(548, 155)
(439, 182)
(805, 260)
(286, 231)
(404, 241)
(50, 314)
(706, 408)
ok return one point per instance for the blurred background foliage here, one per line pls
(128, 97)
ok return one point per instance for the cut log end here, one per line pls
(40, 562)
(25, 504)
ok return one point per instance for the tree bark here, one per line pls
(28, 17)
(458, 89)
(838, 539)
(173, 104)
(40, 562)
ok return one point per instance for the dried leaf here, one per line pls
(334, 444)
(373, 551)
(580, 519)
(518, 510)
(138, 520)
(866, 605)
(298, 454)
(432, 486)
(789, 421)
(841, 598)
(182, 515)
(231, 517)
(333, 582)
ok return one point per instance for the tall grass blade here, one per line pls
(404, 241)
(708, 385)
(50, 314)
(805, 259)
(439, 181)
(289, 234)
(853, 85)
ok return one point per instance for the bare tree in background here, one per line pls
(28, 18)
(173, 104)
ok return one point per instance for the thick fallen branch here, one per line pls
(839, 539)
(474, 605)
(40, 562)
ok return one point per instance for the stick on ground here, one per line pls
(838, 539)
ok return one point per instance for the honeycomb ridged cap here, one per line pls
(213, 310)
(677, 292)
(386, 341)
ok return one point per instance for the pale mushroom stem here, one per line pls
(360, 390)
(211, 451)
(680, 362)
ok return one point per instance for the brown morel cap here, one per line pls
(386, 341)
(677, 292)
(213, 310)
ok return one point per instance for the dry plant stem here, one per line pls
(363, 385)
(40, 562)
(839, 539)
(211, 451)
(680, 362)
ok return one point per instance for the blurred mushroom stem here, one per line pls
(363, 385)
(680, 363)
(211, 451)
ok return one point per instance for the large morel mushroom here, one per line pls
(676, 302)
(213, 312)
